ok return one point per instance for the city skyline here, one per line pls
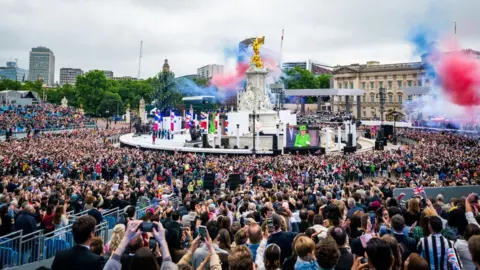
(193, 35)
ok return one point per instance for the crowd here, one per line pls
(290, 212)
(18, 118)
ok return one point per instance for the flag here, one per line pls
(156, 118)
(418, 190)
(217, 119)
(203, 120)
(187, 120)
(172, 120)
(226, 124)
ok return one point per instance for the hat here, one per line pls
(375, 205)
(303, 128)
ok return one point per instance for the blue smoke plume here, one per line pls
(189, 88)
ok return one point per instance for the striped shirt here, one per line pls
(434, 249)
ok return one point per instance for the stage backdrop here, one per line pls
(240, 118)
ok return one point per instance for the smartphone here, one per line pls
(270, 225)
(363, 260)
(147, 226)
(202, 231)
(152, 243)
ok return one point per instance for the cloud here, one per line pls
(106, 34)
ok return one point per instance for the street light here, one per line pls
(106, 117)
(395, 114)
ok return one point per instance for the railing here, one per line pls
(24, 131)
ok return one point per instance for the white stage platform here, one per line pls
(177, 144)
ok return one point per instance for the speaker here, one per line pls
(322, 150)
(234, 181)
(205, 141)
(368, 135)
(246, 147)
(387, 130)
(349, 149)
(235, 147)
(209, 181)
(275, 142)
(350, 139)
(379, 145)
(277, 152)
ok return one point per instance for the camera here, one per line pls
(152, 243)
(148, 226)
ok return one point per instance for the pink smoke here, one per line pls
(459, 76)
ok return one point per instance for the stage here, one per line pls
(179, 142)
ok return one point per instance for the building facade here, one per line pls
(13, 72)
(125, 78)
(42, 65)
(69, 75)
(108, 74)
(208, 71)
(314, 67)
(373, 76)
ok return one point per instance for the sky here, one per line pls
(106, 34)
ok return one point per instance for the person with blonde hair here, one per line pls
(117, 236)
(304, 248)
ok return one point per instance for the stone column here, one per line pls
(359, 108)
(347, 104)
(278, 136)
(128, 116)
(353, 128)
(238, 136)
(347, 129)
(219, 135)
(141, 111)
(328, 137)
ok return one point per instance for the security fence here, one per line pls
(18, 249)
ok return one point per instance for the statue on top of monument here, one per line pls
(256, 59)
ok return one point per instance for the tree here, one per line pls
(165, 93)
(132, 91)
(110, 105)
(36, 86)
(91, 88)
(6, 84)
(299, 78)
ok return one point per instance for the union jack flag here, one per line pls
(418, 190)
(203, 120)
(172, 120)
(226, 124)
(188, 118)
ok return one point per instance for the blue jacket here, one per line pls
(253, 248)
(26, 222)
(306, 265)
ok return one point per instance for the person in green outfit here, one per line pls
(302, 139)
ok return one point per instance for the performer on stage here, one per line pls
(302, 139)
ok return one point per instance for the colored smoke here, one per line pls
(459, 76)
(454, 76)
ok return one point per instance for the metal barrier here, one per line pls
(9, 249)
(17, 249)
(101, 230)
(140, 212)
(111, 217)
(31, 247)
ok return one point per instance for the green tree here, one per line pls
(165, 93)
(111, 104)
(132, 91)
(36, 86)
(6, 84)
(298, 78)
(91, 88)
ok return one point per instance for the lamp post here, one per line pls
(106, 117)
(382, 98)
(395, 114)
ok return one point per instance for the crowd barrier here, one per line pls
(24, 131)
(17, 249)
(447, 192)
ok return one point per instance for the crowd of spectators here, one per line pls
(18, 118)
(291, 212)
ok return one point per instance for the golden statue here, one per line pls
(257, 43)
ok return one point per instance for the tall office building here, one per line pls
(42, 65)
(13, 72)
(69, 75)
(209, 71)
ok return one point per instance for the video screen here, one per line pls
(302, 136)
